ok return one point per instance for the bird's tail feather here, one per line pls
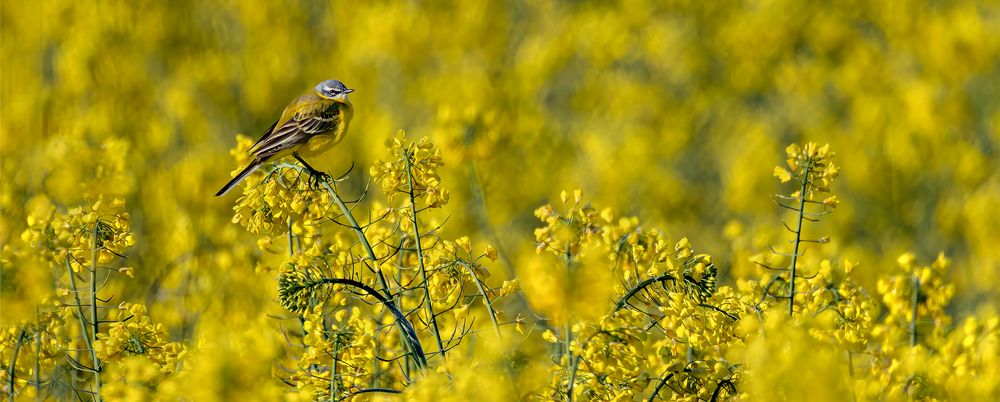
(236, 180)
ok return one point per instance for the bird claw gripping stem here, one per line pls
(316, 177)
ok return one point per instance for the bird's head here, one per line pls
(333, 89)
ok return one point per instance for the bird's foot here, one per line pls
(317, 178)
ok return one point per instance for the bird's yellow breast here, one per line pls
(321, 142)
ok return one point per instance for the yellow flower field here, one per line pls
(627, 200)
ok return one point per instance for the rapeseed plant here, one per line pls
(420, 273)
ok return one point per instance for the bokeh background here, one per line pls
(674, 111)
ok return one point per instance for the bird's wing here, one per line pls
(263, 137)
(309, 121)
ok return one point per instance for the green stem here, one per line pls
(38, 363)
(659, 386)
(333, 369)
(291, 239)
(913, 317)
(572, 377)
(482, 292)
(412, 344)
(850, 375)
(639, 287)
(409, 335)
(370, 391)
(361, 236)
(376, 370)
(81, 315)
(94, 319)
(570, 366)
(13, 362)
(420, 255)
(798, 239)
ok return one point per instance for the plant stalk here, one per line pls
(13, 362)
(333, 369)
(94, 319)
(410, 342)
(420, 255)
(913, 317)
(482, 292)
(798, 239)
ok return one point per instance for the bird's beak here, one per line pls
(347, 91)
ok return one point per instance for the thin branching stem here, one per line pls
(798, 239)
(411, 343)
(724, 384)
(572, 376)
(568, 257)
(482, 292)
(291, 239)
(353, 224)
(639, 287)
(376, 369)
(94, 319)
(408, 333)
(420, 253)
(659, 386)
(79, 313)
(21, 336)
(371, 390)
(913, 318)
(38, 363)
(333, 368)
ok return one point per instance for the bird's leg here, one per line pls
(315, 176)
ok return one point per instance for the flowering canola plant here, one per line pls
(447, 264)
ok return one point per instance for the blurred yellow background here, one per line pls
(674, 111)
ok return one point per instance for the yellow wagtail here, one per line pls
(309, 125)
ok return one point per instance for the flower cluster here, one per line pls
(911, 343)
(77, 236)
(278, 199)
(339, 353)
(668, 328)
(915, 298)
(32, 349)
(133, 333)
(812, 165)
(412, 172)
(117, 351)
(373, 310)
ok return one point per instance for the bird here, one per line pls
(309, 125)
